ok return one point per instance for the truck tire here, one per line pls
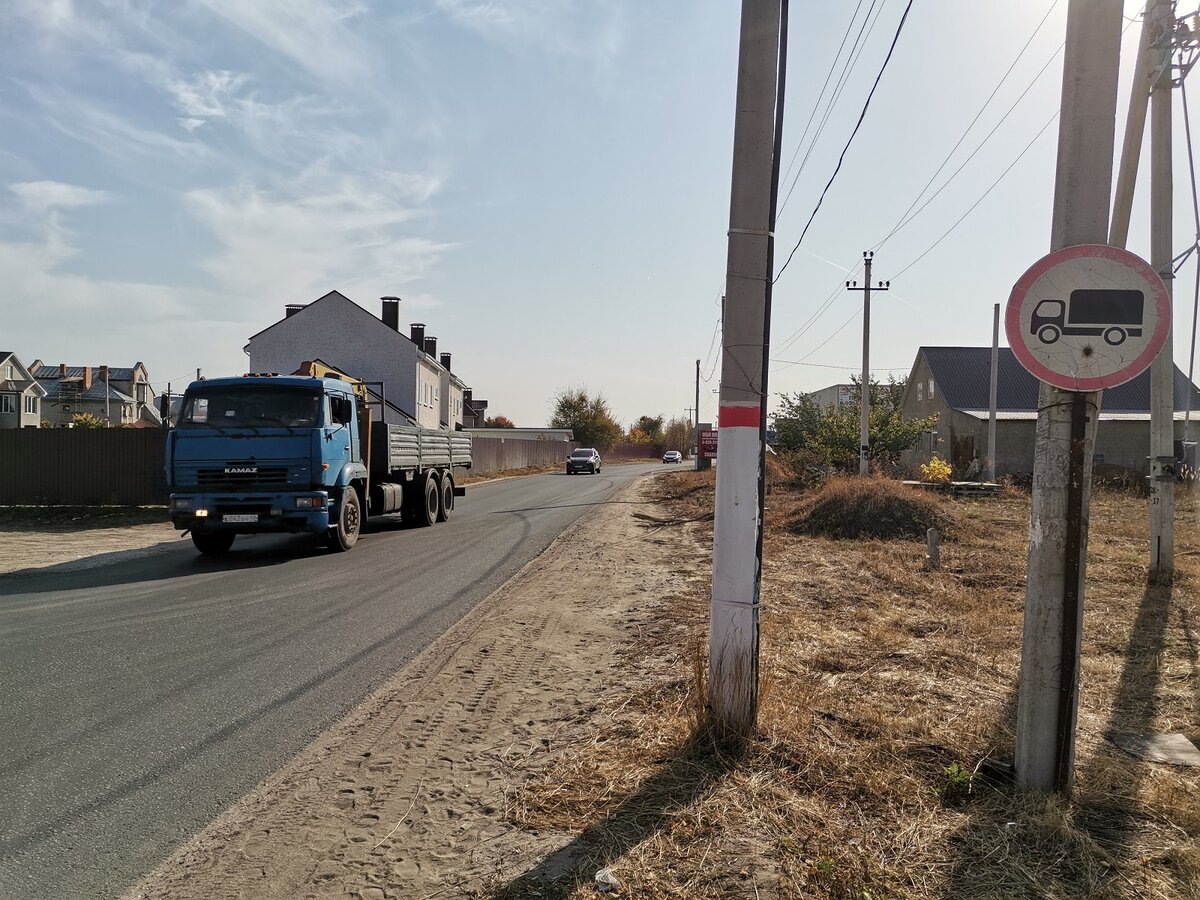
(427, 512)
(344, 534)
(445, 498)
(212, 543)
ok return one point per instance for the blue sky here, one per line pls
(545, 183)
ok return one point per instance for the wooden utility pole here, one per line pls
(864, 389)
(1066, 426)
(737, 529)
(1162, 371)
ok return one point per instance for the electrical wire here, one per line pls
(820, 95)
(1187, 126)
(906, 218)
(861, 116)
(982, 197)
(860, 39)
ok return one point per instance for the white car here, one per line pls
(672, 456)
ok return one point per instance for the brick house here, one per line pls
(954, 383)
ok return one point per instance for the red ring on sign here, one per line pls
(1016, 336)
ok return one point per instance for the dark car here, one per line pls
(585, 459)
(672, 456)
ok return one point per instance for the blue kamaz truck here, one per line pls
(300, 453)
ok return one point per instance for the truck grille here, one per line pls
(265, 477)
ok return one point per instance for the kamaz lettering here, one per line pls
(241, 470)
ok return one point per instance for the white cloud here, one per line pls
(569, 27)
(42, 196)
(207, 95)
(345, 234)
(316, 34)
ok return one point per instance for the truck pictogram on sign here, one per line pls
(1111, 314)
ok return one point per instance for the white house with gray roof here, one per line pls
(417, 385)
(21, 396)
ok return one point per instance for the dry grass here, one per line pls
(888, 700)
(855, 508)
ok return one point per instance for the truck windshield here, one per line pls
(233, 407)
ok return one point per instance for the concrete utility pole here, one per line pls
(737, 530)
(1047, 700)
(1162, 370)
(993, 390)
(696, 430)
(1135, 128)
(864, 389)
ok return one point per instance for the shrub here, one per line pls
(853, 508)
(937, 470)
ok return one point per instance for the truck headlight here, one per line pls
(181, 503)
(310, 502)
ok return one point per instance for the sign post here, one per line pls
(1081, 319)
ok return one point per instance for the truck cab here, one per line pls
(267, 453)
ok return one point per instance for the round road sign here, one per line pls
(1088, 317)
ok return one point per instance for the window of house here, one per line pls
(930, 388)
(31, 405)
(8, 372)
(920, 390)
(8, 403)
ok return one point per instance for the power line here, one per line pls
(861, 116)
(800, 362)
(905, 218)
(851, 60)
(817, 104)
(982, 197)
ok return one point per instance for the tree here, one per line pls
(637, 436)
(498, 422)
(833, 434)
(651, 426)
(588, 417)
(677, 435)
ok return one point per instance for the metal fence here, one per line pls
(124, 466)
(82, 466)
(496, 454)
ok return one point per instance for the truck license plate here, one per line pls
(240, 517)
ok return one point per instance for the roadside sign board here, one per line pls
(708, 444)
(1088, 317)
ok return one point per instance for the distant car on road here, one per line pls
(672, 456)
(585, 459)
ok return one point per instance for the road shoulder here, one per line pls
(409, 794)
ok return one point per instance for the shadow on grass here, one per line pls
(1025, 844)
(695, 769)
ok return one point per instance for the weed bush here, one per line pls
(851, 508)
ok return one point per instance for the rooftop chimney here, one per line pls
(62, 371)
(391, 312)
(291, 309)
(87, 378)
(446, 361)
(431, 346)
(416, 333)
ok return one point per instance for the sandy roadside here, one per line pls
(407, 795)
(29, 547)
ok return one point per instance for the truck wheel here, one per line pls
(446, 498)
(1114, 337)
(427, 513)
(212, 543)
(1048, 334)
(344, 535)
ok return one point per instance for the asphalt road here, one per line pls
(141, 697)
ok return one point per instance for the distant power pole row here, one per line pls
(864, 388)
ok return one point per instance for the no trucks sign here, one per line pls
(1088, 317)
